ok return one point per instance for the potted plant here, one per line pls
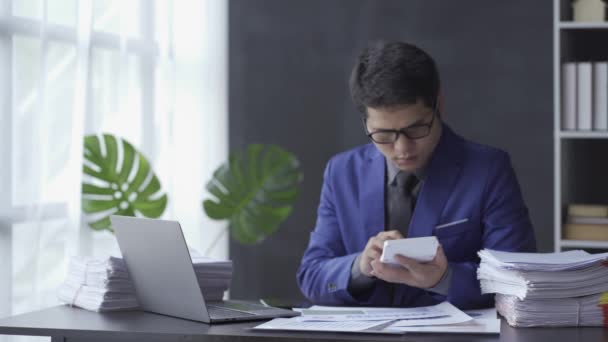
(255, 191)
(118, 180)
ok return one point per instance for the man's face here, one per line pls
(407, 154)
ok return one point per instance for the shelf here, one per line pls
(578, 172)
(583, 135)
(584, 244)
(569, 25)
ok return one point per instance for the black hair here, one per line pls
(389, 74)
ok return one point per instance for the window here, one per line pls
(137, 69)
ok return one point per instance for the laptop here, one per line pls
(162, 273)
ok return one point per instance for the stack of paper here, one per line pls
(214, 276)
(98, 285)
(578, 311)
(552, 289)
(103, 284)
(569, 260)
(96, 298)
(443, 317)
(590, 280)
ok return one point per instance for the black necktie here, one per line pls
(401, 202)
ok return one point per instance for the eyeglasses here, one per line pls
(413, 132)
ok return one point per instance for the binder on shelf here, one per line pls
(569, 96)
(589, 11)
(600, 96)
(589, 210)
(590, 232)
(587, 220)
(584, 96)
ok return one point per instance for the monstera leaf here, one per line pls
(120, 181)
(255, 191)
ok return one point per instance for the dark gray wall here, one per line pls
(289, 66)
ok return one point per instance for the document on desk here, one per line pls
(346, 326)
(443, 313)
(484, 321)
(364, 319)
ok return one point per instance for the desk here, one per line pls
(67, 324)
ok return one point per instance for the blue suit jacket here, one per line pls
(463, 180)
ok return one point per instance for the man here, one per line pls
(416, 178)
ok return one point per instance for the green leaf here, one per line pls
(102, 224)
(93, 206)
(113, 192)
(217, 211)
(244, 231)
(255, 191)
(92, 189)
(151, 208)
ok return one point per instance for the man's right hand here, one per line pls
(373, 250)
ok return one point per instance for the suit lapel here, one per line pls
(442, 173)
(371, 200)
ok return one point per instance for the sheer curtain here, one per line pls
(151, 72)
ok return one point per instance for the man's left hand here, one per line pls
(412, 272)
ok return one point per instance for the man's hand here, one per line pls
(412, 272)
(373, 250)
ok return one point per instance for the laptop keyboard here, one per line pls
(232, 309)
(244, 306)
(216, 312)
